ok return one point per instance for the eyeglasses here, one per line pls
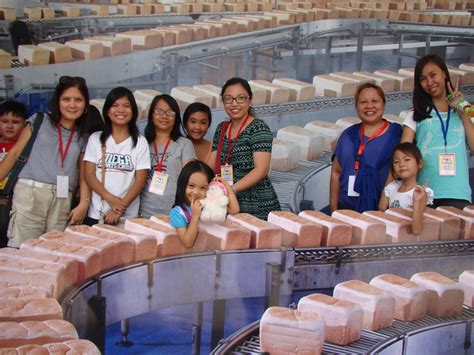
(160, 112)
(227, 99)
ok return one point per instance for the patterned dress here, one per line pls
(260, 199)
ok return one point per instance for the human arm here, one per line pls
(188, 234)
(334, 184)
(261, 162)
(383, 203)
(233, 206)
(10, 159)
(454, 95)
(136, 188)
(419, 203)
(408, 135)
(77, 215)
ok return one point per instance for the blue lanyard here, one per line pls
(443, 128)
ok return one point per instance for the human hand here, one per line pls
(116, 204)
(454, 94)
(111, 217)
(419, 194)
(77, 215)
(225, 183)
(196, 208)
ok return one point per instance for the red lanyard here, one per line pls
(62, 154)
(362, 145)
(235, 139)
(159, 165)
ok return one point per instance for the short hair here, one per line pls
(150, 133)
(245, 84)
(364, 86)
(193, 166)
(409, 149)
(196, 107)
(16, 108)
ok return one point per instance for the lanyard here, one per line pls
(444, 128)
(235, 139)
(62, 154)
(160, 163)
(362, 145)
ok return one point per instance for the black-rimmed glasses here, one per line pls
(240, 99)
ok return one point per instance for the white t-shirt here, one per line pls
(403, 199)
(121, 162)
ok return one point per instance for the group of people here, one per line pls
(84, 168)
(80, 171)
(380, 165)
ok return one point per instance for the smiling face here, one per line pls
(120, 113)
(433, 80)
(370, 106)
(405, 165)
(163, 117)
(11, 126)
(71, 105)
(197, 125)
(197, 187)
(234, 109)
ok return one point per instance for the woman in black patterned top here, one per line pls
(241, 151)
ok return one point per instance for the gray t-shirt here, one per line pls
(44, 162)
(177, 152)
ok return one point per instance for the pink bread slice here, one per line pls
(70, 264)
(18, 310)
(79, 346)
(469, 209)
(104, 248)
(306, 233)
(226, 236)
(467, 221)
(445, 296)
(378, 306)
(24, 292)
(431, 226)
(450, 226)
(365, 229)
(124, 247)
(411, 300)
(397, 228)
(200, 243)
(335, 233)
(6, 286)
(13, 334)
(287, 331)
(466, 279)
(88, 259)
(167, 240)
(25, 350)
(263, 234)
(145, 245)
(343, 319)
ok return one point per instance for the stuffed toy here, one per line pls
(215, 203)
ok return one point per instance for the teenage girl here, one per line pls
(193, 182)
(440, 133)
(405, 192)
(197, 119)
(117, 184)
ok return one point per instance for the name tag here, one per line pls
(227, 173)
(350, 187)
(158, 183)
(62, 186)
(447, 164)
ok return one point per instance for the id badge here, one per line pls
(227, 173)
(447, 164)
(158, 183)
(350, 187)
(62, 186)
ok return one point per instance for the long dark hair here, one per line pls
(196, 107)
(67, 82)
(193, 166)
(150, 133)
(245, 84)
(114, 95)
(422, 101)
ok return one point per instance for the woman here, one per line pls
(197, 119)
(43, 193)
(169, 152)
(440, 133)
(362, 159)
(241, 151)
(117, 184)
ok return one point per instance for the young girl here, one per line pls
(441, 130)
(117, 185)
(405, 192)
(197, 119)
(193, 182)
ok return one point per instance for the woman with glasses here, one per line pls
(43, 193)
(241, 151)
(169, 152)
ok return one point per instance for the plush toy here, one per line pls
(215, 203)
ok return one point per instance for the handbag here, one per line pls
(6, 194)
